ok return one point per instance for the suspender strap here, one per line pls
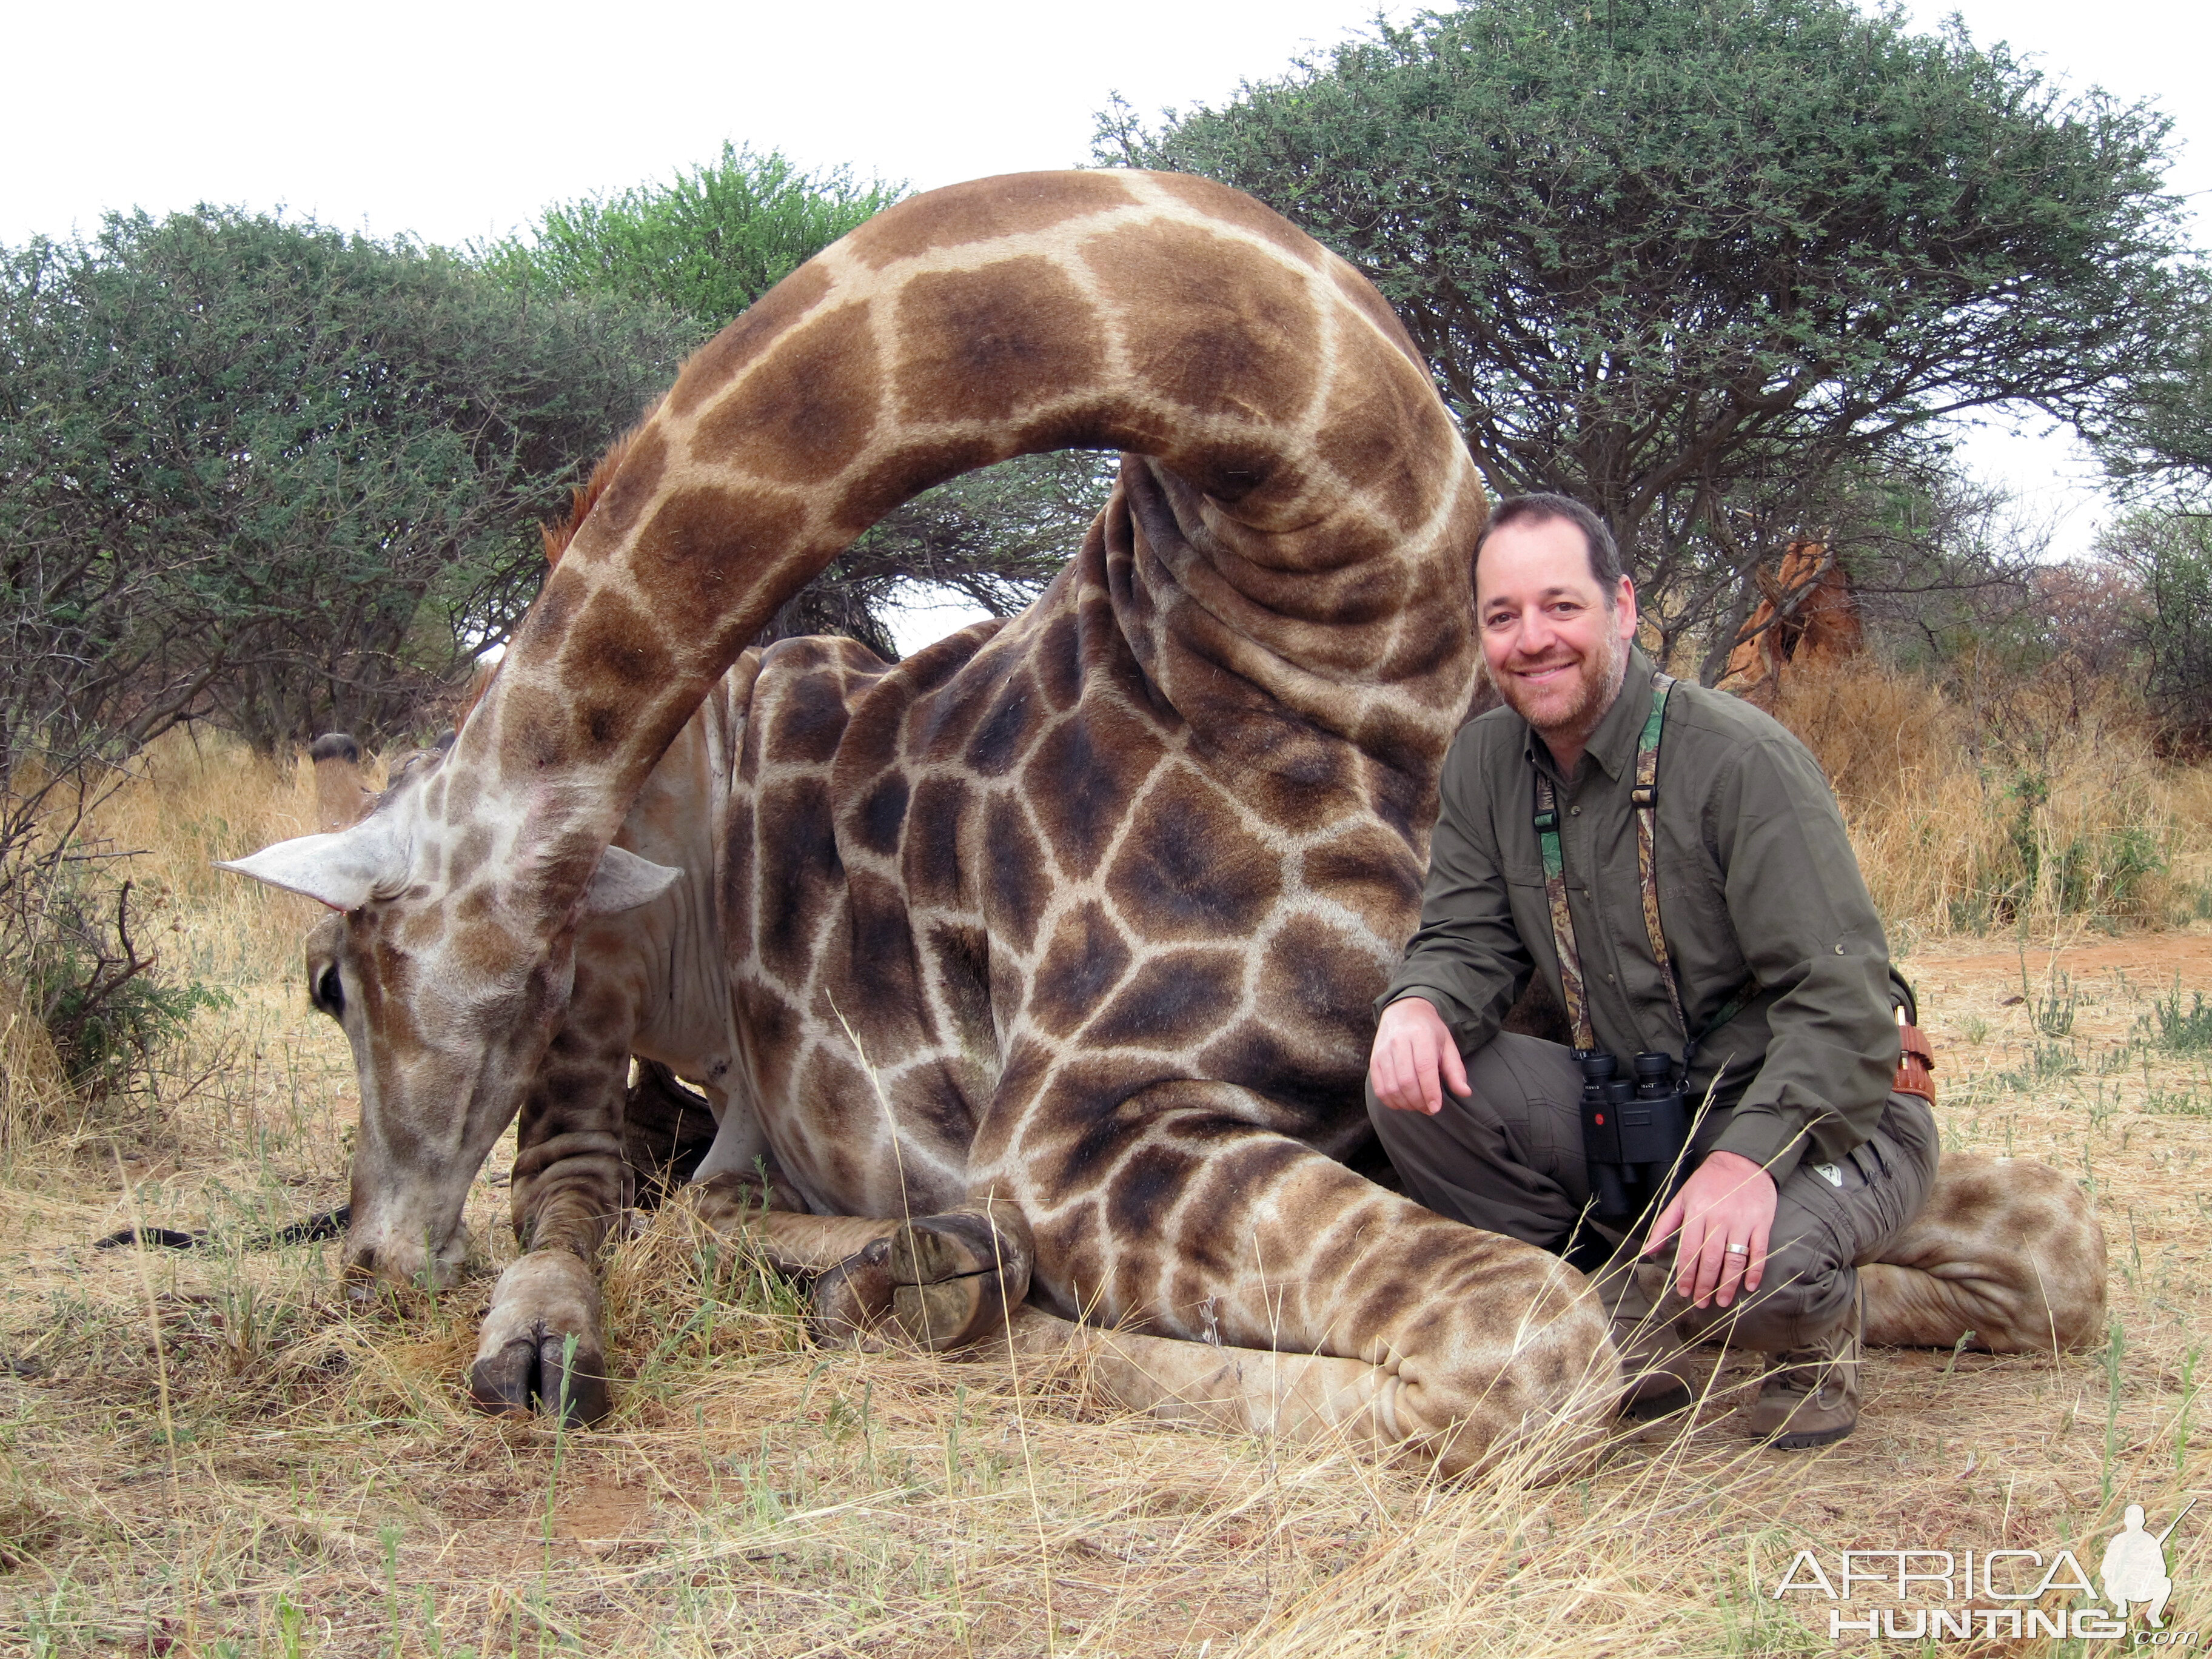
(1563, 924)
(1643, 796)
(1645, 799)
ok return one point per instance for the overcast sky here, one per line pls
(458, 121)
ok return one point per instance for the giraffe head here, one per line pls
(446, 1023)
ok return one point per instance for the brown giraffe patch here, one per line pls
(617, 647)
(984, 211)
(1017, 873)
(806, 412)
(991, 344)
(938, 832)
(708, 544)
(1383, 393)
(1195, 873)
(1172, 1000)
(722, 359)
(1086, 960)
(1247, 347)
(1367, 870)
(1081, 780)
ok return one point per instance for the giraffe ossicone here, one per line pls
(1037, 964)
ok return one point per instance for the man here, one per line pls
(1801, 1162)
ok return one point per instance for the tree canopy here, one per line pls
(707, 243)
(280, 476)
(1684, 260)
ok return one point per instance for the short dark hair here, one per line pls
(1604, 552)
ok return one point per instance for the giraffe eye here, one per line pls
(328, 993)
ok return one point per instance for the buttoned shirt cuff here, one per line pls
(1770, 1137)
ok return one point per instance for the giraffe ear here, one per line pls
(341, 869)
(623, 881)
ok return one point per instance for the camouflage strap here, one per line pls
(1563, 924)
(1644, 797)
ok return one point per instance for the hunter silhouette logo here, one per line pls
(2134, 1567)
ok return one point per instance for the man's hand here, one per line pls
(1728, 1200)
(1414, 1058)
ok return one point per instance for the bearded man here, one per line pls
(1736, 949)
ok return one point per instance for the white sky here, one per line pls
(459, 121)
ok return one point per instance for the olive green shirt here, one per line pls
(1756, 877)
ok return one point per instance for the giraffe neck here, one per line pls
(1320, 492)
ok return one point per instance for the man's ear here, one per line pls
(1625, 607)
(623, 881)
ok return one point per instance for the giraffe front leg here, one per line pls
(939, 1281)
(540, 1348)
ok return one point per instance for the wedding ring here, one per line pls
(1739, 1249)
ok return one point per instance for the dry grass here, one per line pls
(2028, 807)
(211, 1453)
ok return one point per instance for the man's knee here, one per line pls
(1806, 1287)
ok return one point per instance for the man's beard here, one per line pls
(1596, 682)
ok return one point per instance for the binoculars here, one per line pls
(1633, 1133)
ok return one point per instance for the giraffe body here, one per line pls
(1069, 925)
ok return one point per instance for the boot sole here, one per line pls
(1806, 1439)
(1658, 1406)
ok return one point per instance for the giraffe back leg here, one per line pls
(1209, 1228)
(2005, 1254)
(1313, 1400)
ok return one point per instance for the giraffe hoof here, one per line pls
(852, 1300)
(544, 1302)
(956, 1277)
(524, 1377)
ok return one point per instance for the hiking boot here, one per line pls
(1811, 1397)
(1656, 1375)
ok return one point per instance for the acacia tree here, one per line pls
(1686, 259)
(314, 462)
(709, 243)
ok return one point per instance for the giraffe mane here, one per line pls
(586, 495)
(556, 537)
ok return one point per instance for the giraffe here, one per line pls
(1047, 951)
(1806, 613)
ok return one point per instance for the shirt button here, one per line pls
(1839, 950)
(1609, 979)
(1574, 811)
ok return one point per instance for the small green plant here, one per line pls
(2176, 1029)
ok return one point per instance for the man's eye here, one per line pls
(329, 993)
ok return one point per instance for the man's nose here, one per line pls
(1533, 635)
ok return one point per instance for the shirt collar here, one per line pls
(1612, 743)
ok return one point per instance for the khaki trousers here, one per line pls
(1508, 1158)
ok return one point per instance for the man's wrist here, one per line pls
(1736, 1165)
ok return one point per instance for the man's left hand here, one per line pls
(1728, 1200)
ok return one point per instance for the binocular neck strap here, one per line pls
(1645, 798)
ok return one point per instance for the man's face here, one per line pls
(1554, 649)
